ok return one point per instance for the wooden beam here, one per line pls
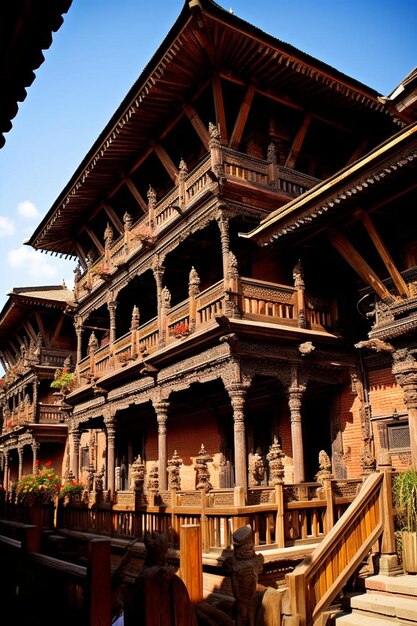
(298, 141)
(358, 152)
(9, 357)
(166, 161)
(112, 215)
(219, 108)
(30, 330)
(94, 239)
(197, 124)
(358, 263)
(242, 117)
(384, 254)
(81, 254)
(135, 193)
(57, 329)
(39, 320)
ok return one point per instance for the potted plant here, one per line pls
(40, 487)
(405, 502)
(71, 491)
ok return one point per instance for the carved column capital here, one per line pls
(237, 393)
(405, 371)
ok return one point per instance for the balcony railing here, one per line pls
(251, 299)
(236, 167)
(278, 521)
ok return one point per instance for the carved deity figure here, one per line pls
(245, 566)
(257, 469)
(325, 467)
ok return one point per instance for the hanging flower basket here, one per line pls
(64, 380)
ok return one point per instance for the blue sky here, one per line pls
(98, 54)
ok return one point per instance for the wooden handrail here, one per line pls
(315, 583)
(94, 577)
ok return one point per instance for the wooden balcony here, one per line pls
(26, 414)
(238, 169)
(253, 300)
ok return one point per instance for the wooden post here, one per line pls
(99, 582)
(328, 494)
(279, 522)
(205, 539)
(388, 563)
(31, 540)
(191, 564)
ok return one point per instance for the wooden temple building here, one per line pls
(246, 278)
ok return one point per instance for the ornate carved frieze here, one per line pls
(405, 372)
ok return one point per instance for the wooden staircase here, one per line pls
(387, 601)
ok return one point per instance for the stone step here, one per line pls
(404, 585)
(358, 619)
(385, 606)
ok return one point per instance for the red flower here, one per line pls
(48, 463)
(37, 463)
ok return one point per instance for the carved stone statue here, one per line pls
(202, 478)
(325, 467)
(257, 469)
(173, 469)
(276, 466)
(245, 566)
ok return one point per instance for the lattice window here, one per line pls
(398, 436)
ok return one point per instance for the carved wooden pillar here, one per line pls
(75, 450)
(237, 394)
(295, 394)
(20, 455)
(223, 223)
(78, 324)
(6, 471)
(164, 308)
(193, 291)
(182, 175)
(35, 399)
(108, 242)
(35, 447)
(134, 327)
(405, 372)
(216, 154)
(298, 276)
(151, 206)
(230, 270)
(92, 347)
(161, 410)
(127, 222)
(158, 272)
(359, 386)
(272, 165)
(111, 455)
(112, 306)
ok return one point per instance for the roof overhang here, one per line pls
(26, 30)
(390, 160)
(162, 88)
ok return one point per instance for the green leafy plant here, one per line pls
(44, 482)
(71, 489)
(404, 491)
(63, 379)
